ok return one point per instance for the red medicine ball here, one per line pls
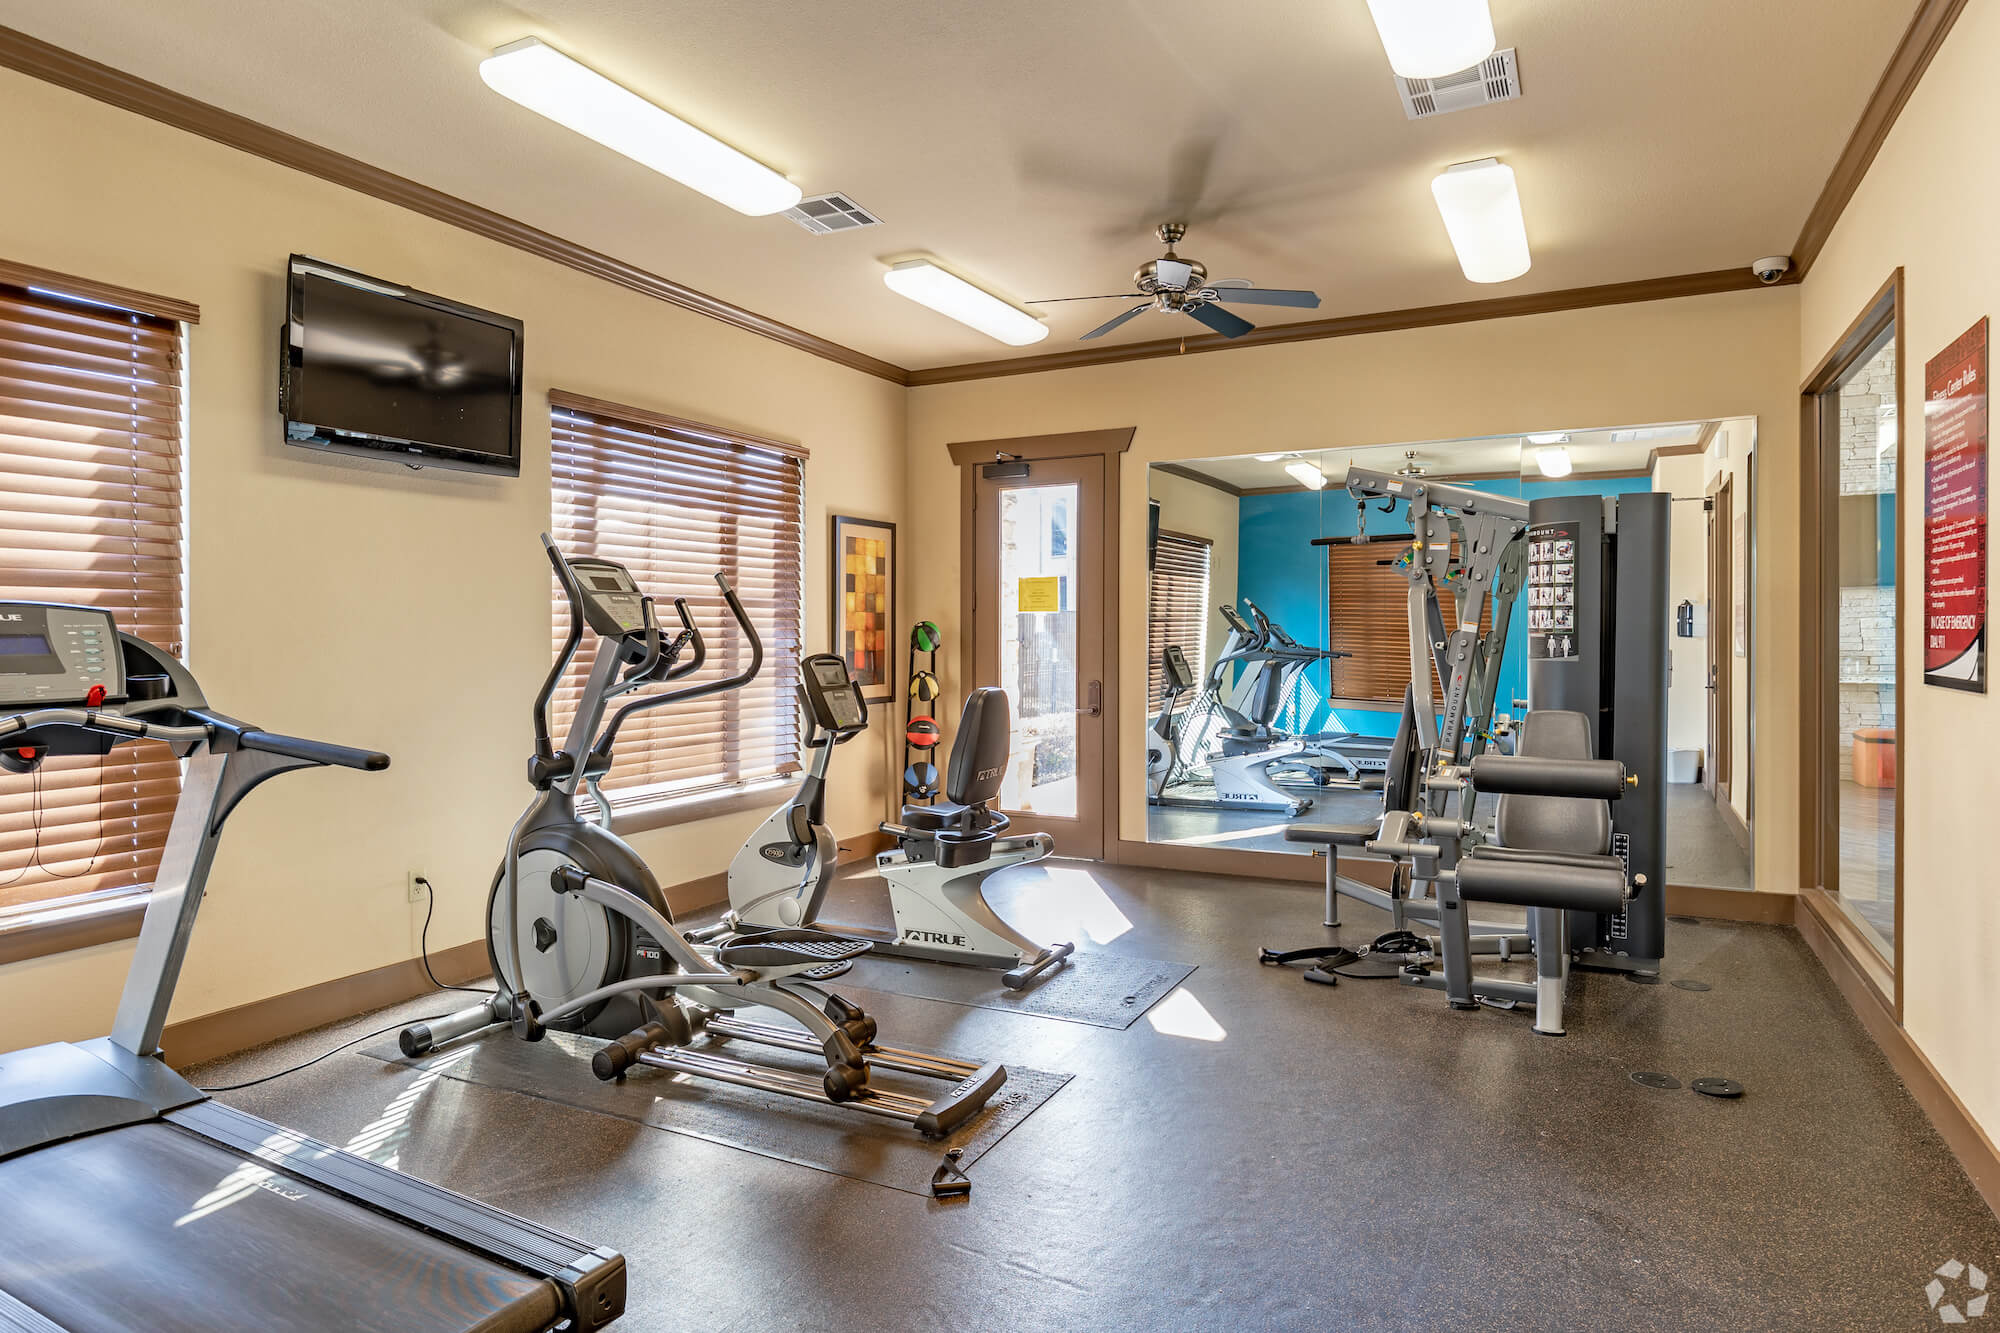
(923, 733)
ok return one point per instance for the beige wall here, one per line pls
(1202, 511)
(363, 602)
(1703, 357)
(1928, 205)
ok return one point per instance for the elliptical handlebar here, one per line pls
(737, 681)
(544, 747)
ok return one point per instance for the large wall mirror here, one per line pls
(1279, 647)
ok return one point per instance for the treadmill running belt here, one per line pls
(153, 1228)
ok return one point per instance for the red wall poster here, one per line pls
(1955, 514)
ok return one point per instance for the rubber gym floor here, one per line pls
(1263, 1153)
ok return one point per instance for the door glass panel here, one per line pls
(1038, 567)
(1865, 725)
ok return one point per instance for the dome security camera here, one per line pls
(1771, 268)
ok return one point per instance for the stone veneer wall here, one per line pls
(1867, 614)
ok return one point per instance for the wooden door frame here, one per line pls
(1720, 778)
(1110, 445)
(1819, 530)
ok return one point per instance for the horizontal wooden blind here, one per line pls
(1368, 610)
(675, 504)
(1177, 610)
(90, 513)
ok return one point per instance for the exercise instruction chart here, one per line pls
(1551, 587)
(1955, 514)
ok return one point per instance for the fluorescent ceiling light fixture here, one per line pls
(1554, 461)
(1428, 39)
(955, 298)
(1306, 474)
(1482, 212)
(1560, 437)
(1272, 458)
(546, 81)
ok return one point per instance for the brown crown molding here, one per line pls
(1199, 478)
(1921, 40)
(66, 69)
(1346, 326)
(124, 298)
(640, 416)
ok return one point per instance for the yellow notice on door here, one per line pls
(1041, 594)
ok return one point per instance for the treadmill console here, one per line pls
(833, 701)
(612, 602)
(51, 656)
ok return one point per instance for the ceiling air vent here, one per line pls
(831, 212)
(1494, 79)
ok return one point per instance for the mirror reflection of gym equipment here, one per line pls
(1278, 646)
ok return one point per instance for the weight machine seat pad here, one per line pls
(1530, 881)
(1530, 818)
(1332, 835)
(1583, 859)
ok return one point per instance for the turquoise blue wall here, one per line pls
(1280, 570)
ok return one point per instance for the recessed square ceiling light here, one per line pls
(547, 82)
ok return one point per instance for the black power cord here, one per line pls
(424, 950)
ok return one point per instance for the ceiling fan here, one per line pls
(1171, 283)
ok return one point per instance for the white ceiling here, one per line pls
(1032, 144)
(1625, 449)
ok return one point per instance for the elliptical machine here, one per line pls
(946, 851)
(1163, 738)
(582, 939)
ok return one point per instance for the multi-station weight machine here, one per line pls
(1594, 573)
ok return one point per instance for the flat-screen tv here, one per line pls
(378, 370)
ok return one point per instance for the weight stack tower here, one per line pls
(1597, 645)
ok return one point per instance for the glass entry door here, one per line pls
(1038, 608)
(1859, 782)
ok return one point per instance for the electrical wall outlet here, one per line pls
(416, 889)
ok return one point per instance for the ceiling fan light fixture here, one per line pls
(1428, 39)
(953, 297)
(1553, 461)
(1481, 207)
(573, 95)
(1306, 474)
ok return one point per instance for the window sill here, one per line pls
(63, 930)
(643, 816)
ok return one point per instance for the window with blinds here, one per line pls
(1368, 611)
(90, 514)
(1177, 609)
(677, 502)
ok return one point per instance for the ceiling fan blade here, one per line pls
(1173, 273)
(1224, 323)
(1267, 296)
(1114, 296)
(1133, 313)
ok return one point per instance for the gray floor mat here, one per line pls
(1105, 990)
(845, 1143)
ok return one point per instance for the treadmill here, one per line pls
(129, 1200)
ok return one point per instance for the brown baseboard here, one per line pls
(228, 1031)
(1975, 1151)
(1767, 909)
(1737, 828)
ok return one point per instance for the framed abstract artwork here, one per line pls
(864, 602)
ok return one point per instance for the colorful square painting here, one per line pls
(864, 602)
